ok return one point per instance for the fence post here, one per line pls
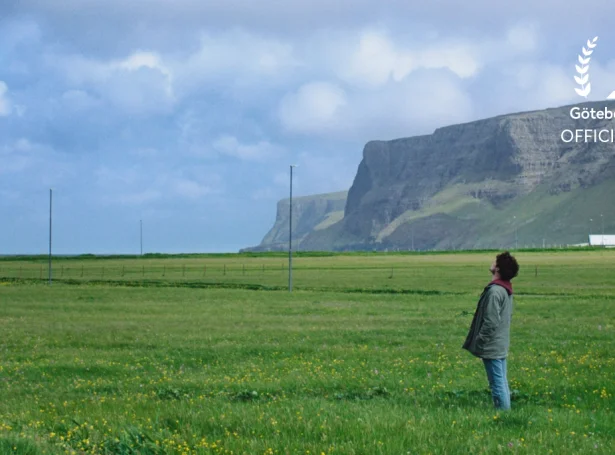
(536, 272)
(224, 273)
(164, 270)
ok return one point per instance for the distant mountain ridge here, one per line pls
(310, 214)
(499, 182)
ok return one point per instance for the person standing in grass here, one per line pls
(489, 335)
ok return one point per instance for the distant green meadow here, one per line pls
(211, 354)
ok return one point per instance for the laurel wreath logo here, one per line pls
(583, 78)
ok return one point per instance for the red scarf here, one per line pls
(505, 284)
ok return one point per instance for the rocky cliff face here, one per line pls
(499, 182)
(493, 161)
(310, 214)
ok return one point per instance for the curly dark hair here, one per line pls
(507, 266)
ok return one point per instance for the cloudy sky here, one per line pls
(187, 113)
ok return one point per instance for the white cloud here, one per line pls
(416, 105)
(16, 156)
(315, 107)
(539, 85)
(229, 145)
(523, 38)
(247, 66)
(387, 86)
(24, 159)
(79, 69)
(191, 189)
(461, 59)
(146, 81)
(236, 59)
(5, 107)
(298, 16)
(152, 181)
(150, 60)
(374, 59)
(137, 84)
(550, 85)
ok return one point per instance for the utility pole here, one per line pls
(141, 235)
(290, 234)
(516, 237)
(50, 226)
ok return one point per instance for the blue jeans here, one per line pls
(498, 382)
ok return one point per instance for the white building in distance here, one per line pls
(602, 240)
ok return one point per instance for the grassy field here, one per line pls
(363, 358)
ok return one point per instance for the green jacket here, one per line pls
(489, 336)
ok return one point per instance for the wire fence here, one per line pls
(382, 274)
(144, 272)
(252, 275)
